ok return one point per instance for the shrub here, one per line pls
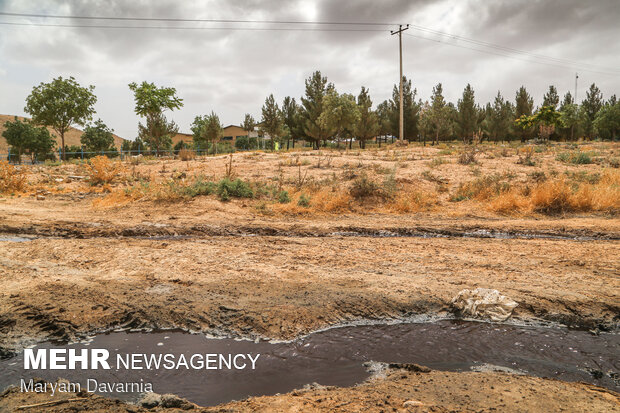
(481, 188)
(11, 178)
(236, 189)
(304, 201)
(364, 187)
(468, 156)
(283, 197)
(101, 170)
(199, 187)
(577, 157)
(186, 154)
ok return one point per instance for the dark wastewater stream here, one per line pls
(336, 357)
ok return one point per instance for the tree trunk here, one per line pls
(62, 141)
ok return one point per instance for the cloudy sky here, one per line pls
(231, 71)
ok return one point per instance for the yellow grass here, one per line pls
(11, 179)
(102, 170)
(560, 196)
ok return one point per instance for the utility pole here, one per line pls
(576, 77)
(400, 31)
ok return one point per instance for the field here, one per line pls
(276, 245)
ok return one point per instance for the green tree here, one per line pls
(439, 116)
(340, 115)
(292, 119)
(468, 114)
(524, 105)
(570, 117)
(607, 121)
(248, 124)
(97, 137)
(207, 129)
(368, 123)
(500, 118)
(151, 102)
(24, 137)
(551, 98)
(271, 122)
(590, 106)
(61, 104)
(411, 111)
(312, 107)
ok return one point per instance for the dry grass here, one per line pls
(557, 196)
(186, 154)
(413, 201)
(101, 170)
(11, 178)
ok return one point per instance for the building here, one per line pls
(230, 134)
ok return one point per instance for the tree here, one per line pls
(291, 118)
(551, 98)
(500, 118)
(468, 115)
(368, 123)
(207, 129)
(524, 105)
(590, 106)
(312, 107)
(151, 102)
(271, 122)
(570, 116)
(248, 124)
(25, 137)
(607, 121)
(61, 104)
(340, 115)
(411, 111)
(438, 116)
(546, 118)
(97, 137)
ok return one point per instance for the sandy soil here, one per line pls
(232, 269)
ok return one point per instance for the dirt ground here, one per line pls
(229, 267)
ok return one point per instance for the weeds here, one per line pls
(576, 157)
(482, 188)
(101, 170)
(11, 178)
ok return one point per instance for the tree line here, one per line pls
(322, 116)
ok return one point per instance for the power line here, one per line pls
(506, 48)
(511, 56)
(501, 50)
(171, 19)
(89, 26)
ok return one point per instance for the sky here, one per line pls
(231, 71)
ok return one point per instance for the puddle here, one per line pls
(336, 357)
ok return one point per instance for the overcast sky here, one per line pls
(232, 71)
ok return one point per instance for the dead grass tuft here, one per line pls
(11, 178)
(101, 170)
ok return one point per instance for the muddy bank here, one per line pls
(282, 287)
(403, 388)
(442, 230)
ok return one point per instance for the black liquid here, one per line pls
(336, 357)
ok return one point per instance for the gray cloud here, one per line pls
(232, 72)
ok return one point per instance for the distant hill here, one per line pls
(72, 137)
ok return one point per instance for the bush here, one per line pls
(577, 157)
(364, 187)
(101, 170)
(481, 188)
(199, 187)
(283, 197)
(236, 189)
(11, 178)
(304, 201)
(186, 154)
